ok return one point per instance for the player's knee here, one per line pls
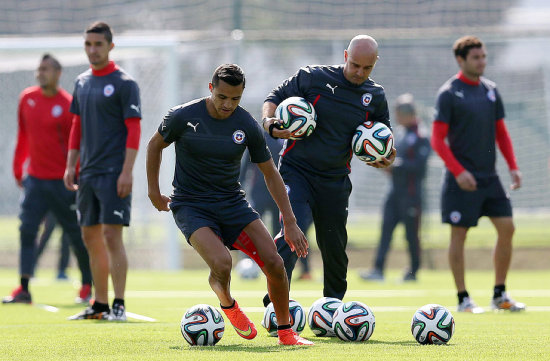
(221, 271)
(274, 265)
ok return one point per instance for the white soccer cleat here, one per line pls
(468, 305)
(504, 302)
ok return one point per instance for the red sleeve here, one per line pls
(505, 144)
(439, 133)
(21, 148)
(134, 132)
(74, 136)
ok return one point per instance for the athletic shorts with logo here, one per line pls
(99, 203)
(462, 208)
(227, 218)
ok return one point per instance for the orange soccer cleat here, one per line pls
(241, 323)
(288, 338)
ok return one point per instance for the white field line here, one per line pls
(46, 307)
(139, 317)
(541, 293)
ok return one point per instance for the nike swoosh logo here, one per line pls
(244, 333)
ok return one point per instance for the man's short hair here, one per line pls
(56, 64)
(100, 27)
(463, 45)
(404, 104)
(232, 74)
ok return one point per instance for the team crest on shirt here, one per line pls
(57, 110)
(31, 102)
(108, 90)
(455, 216)
(366, 99)
(238, 137)
(491, 95)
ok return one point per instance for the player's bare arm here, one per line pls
(269, 120)
(293, 234)
(125, 179)
(70, 170)
(385, 162)
(153, 161)
(466, 181)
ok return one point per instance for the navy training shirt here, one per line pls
(209, 150)
(471, 112)
(341, 106)
(409, 168)
(103, 104)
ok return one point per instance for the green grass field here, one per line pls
(33, 333)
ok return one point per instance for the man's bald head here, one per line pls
(360, 56)
(363, 44)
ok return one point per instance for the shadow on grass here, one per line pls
(237, 348)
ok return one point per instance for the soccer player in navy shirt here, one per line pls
(315, 170)
(404, 200)
(44, 124)
(105, 135)
(470, 116)
(208, 203)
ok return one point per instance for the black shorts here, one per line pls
(98, 202)
(461, 208)
(226, 218)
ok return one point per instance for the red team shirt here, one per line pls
(43, 134)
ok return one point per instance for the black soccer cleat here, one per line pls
(90, 314)
(18, 296)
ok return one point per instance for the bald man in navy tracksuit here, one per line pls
(315, 170)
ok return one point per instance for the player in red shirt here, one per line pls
(43, 135)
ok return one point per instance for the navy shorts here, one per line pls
(98, 202)
(461, 208)
(226, 218)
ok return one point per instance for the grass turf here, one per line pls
(30, 332)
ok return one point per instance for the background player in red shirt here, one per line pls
(42, 139)
(470, 115)
(105, 136)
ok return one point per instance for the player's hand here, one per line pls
(160, 202)
(277, 130)
(385, 162)
(68, 179)
(124, 184)
(516, 179)
(466, 181)
(19, 183)
(296, 239)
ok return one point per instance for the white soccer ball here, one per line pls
(297, 318)
(202, 325)
(298, 116)
(320, 316)
(248, 269)
(432, 324)
(372, 141)
(353, 321)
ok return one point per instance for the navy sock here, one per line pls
(25, 284)
(498, 290)
(100, 307)
(462, 295)
(283, 327)
(118, 301)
